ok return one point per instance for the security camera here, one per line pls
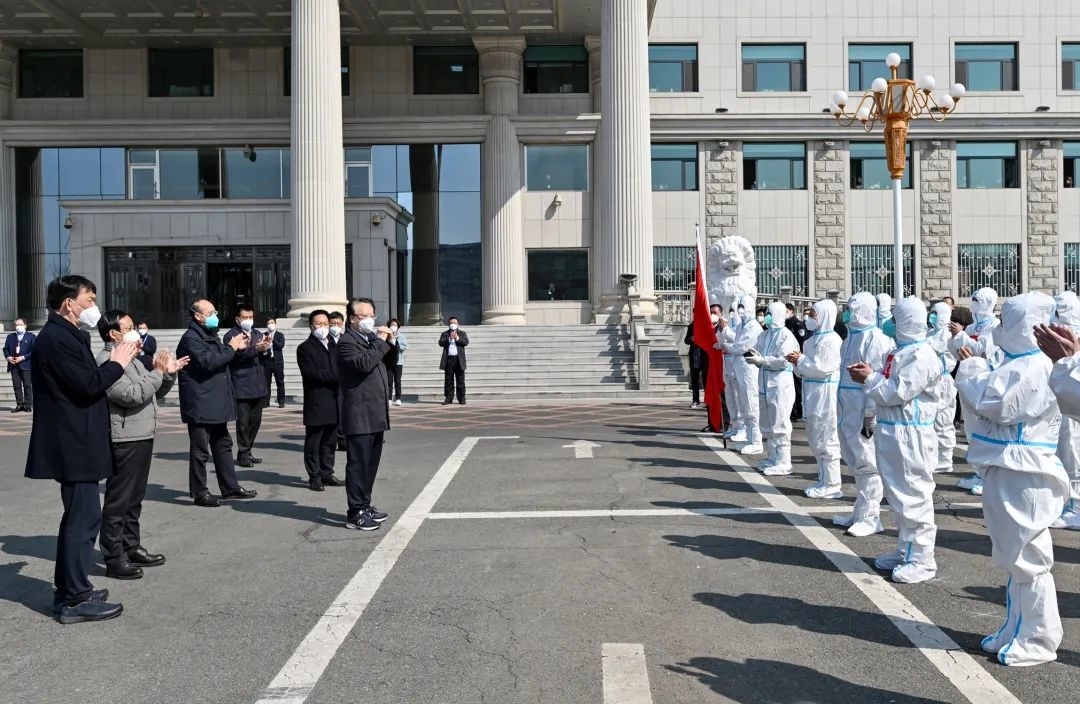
(557, 202)
(69, 222)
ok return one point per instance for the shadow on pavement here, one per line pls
(1068, 602)
(728, 547)
(33, 593)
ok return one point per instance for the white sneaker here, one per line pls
(1070, 519)
(890, 560)
(398, 402)
(844, 521)
(752, 449)
(977, 490)
(867, 526)
(824, 492)
(695, 405)
(777, 471)
(915, 572)
(968, 482)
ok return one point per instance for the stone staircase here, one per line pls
(528, 362)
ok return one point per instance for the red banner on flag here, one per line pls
(705, 337)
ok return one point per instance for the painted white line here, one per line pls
(652, 512)
(626, 678)
(965, 673)
(296, 680)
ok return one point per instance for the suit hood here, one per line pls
(910, 318)
(778, 311)
(1068, 309)
(1019, 315)
(825, 312)
(863, 309)
(885, 305)
(983, 303)
(943, 311)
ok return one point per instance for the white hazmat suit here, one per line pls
(885, 314)
(865, 343)
(736, 422)
(1068, 314)
(1014, 437)
(819, 369)
(905, 395)
(739, 338)
(776, 390)
(940, 336)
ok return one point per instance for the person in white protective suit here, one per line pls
(739, 338)
(978, 338)
(1068, 314)
(1014, 438)
(885, 315)
(905, 395)
(865, 343)
(940, 317)
(776, 389)
(736, 421)
(818, 365)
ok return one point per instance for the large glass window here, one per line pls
(673, 68)
(181, 73)
(782, 265)
(557, 167)
(556, 69)
(1071, 152)
(174, 174)
(867, 62)
(774, 166)
(1072, 266)
(358, 172)
(988, 67)
(674, 167)
(995, 265)
(286, 71)
(673, 268)
(870, 168)
(256, 173)
(49, 73)
(872, 268)
(446, 70)
(987, 165)
(771, 68)
(1070, 66)
(558, 274)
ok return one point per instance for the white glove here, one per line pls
(757, 360)
(718, 346)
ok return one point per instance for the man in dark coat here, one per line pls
(149, 346)
(207, 405)
(251, 387)
(453, 342)
(317, 359)
(18, 349)
(798, 329)
(275, 366)
(69, 439)
(365, 409)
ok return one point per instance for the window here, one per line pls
(993, 265)
(774, 68)
(181, 73)
(257, 173)
(987, 165)
(558, 275)
(556, 69)
(286, 71)
(1070, 66)
(870, 168)
(51, 74)
(775, 166)
(673, 68)
(674, 167)
(782, 265)
(872, 268)
(446, 70)
(557, 167)
(174, 174)
(1071, 152)
(867, 62)
(989, 67)
(358, 172)
(673, 268)
(1072, 266)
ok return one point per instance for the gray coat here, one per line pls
(364, 390)
(133, 400)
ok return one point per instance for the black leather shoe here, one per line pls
(17, 409)
(333, 481)
(139, 556)
(447, 402)
(281, 404)
(28, 409)
(207, 500)
(240, 493)
(462, 402)
(316, 484)
(245, 463)
(88, 610)
(122, 569)
(256, 460)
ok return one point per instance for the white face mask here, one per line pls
(393, 328)
(367, 325)
(321, 333)
(335, 330)
(453, 326)
(20, 329)
(811, 324)
(143, 332)
(90, 316)
(131, 336)
(715, 318)
(271, 328)
(246, 325)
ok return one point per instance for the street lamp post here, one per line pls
(895, 103)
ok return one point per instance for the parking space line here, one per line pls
(654, 512)
(968, 676)
(626, 678)
(296, 680)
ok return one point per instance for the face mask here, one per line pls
(212, 322)
(322, 333)
(889, 328)
(367, 325)
(846, 317)
(393, 328)
(768, 319)
(20, 329)
(741, 311)
(271, 328)
(811, 324)
(715, 318)
(335, 330)
(131, 336)
(246, 325)
(453, 326)
(933, 320)
(90, 316)
(142, 332)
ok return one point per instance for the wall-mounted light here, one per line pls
(721, 110)
(249, 153)
(1043, 108)
(69, 222)
(935, 142)
(557, 201)
(829, 144)
(376, 219)
(1044, 143)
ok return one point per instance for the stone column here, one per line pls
(625, 207)
(503, 240)
(593, 46)
(1043, 186)
(721, 189)
(830, 202)
(8, 57)
(935, 219)
(425, 303)
(8, 248)
(318, 178)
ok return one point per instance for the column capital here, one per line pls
(8, 56)
(593, 46)
(592, 43)
(500, 58)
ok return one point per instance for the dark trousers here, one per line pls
(393, 374)
(24, 389)
(207, 440)
(320, 444)
(249, 412)
(796, 410)
(453, 376)
(364, 453)
(75, 541)
(697, 382)
(124, 493)
(278, 374)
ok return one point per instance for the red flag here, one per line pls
(705, 336)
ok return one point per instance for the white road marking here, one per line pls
(965, 673)
(582, 449)
(652, 512)
(296, 680)
(626, 678)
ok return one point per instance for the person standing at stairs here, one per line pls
(776, 390)
(248, 371)
(699, 364)
(17, 350)
(275, 366)
(395, 361)
(149, 346)
(453, 342)
(337, 325)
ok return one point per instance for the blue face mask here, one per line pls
(933, 320)
(846, 317)
(212, 322)
(768, 319)
(889, 328)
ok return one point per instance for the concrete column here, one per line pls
(593, 46)
(318, 178)
(9, 284)
(503, 241)
(625, 207)
(830, 201)
(8, 57)
(1043, 186)
(425, 307)
(935, 219)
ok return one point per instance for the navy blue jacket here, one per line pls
(206, 390)
(278, 360)
(319, 371)
(248, 367)
(69, 440)
(149, 349)
(12, 348)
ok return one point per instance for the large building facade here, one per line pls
(506, 161)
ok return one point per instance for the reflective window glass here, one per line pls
(987, 67)
(556, 69)
(50, 73)
(562, 167)
(254, 173)
(674, 167)
(987, 165)
(870, 169)
(181, 73)
(774, 166)
(357, 180)
(558, 274)
(774, 67)
(447, 70)
(867, 62)
(178, 174)
(673, 68)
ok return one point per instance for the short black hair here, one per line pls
(351, 307)
(393, 321)
(64, 287)
(246, 308)
(18, 319)
(790, 306)
(143, 322)
(337, 315)
(452, 319)
(109, 321)
(716, 305)
(271, 320)
(312, 314)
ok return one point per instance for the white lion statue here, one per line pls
(731, 270)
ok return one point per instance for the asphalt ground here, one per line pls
(477, 605)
